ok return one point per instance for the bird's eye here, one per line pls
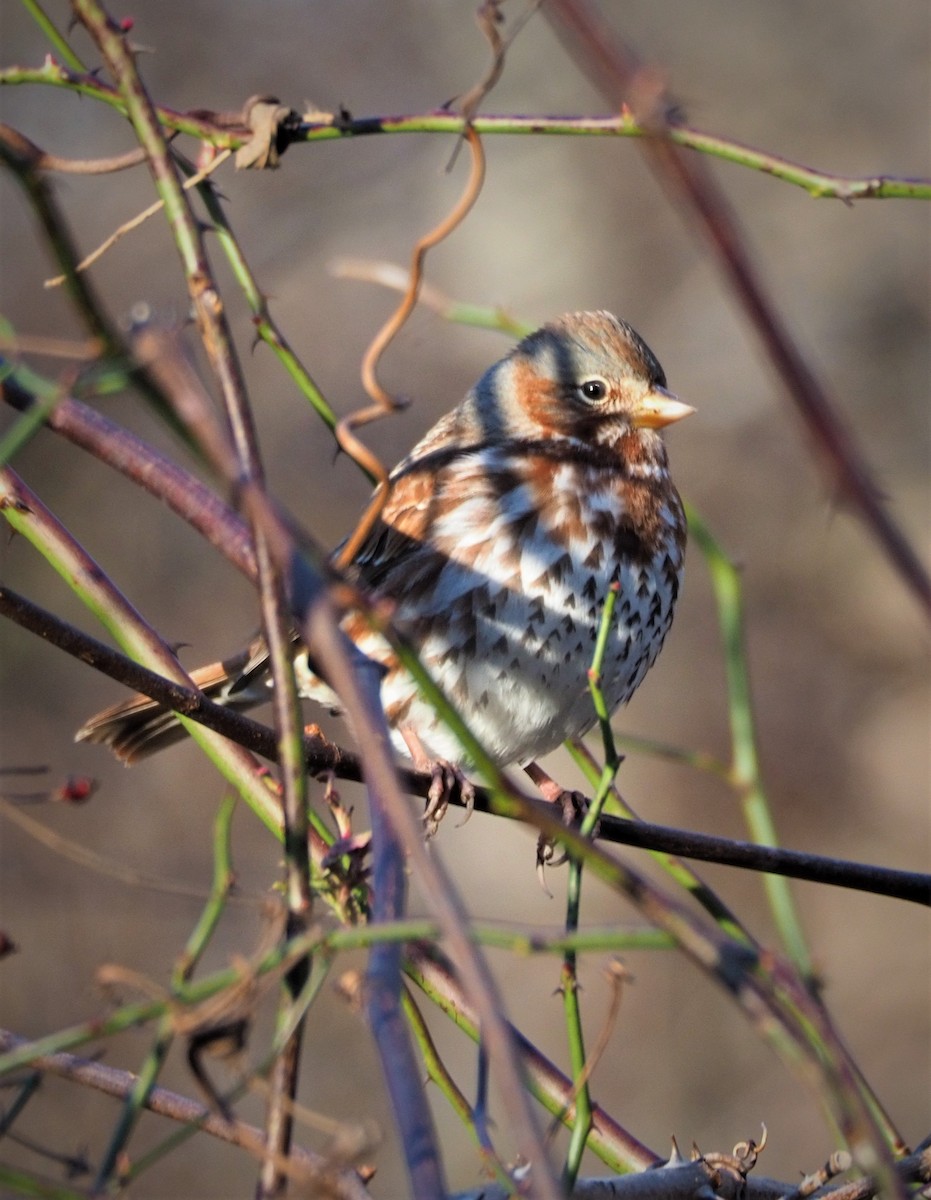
(593, 389)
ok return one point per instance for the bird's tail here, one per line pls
(139, 726)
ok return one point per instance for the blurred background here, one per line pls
(837, 647)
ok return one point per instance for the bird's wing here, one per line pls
(397, 544)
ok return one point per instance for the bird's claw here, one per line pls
(446, 780)
(572, 808)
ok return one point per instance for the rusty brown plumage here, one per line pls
(502, 532)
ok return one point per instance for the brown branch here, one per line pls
(342, 1184)
(149, 469)
(43, 161)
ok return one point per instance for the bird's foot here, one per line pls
(446, 782)
(572, 807)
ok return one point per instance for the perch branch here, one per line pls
(322, 755)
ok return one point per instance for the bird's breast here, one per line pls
(526, 551)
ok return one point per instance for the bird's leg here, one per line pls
(446, 778)
(572, 807)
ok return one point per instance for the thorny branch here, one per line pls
(248, 474)
(230, 130)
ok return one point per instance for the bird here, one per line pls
(502, 533)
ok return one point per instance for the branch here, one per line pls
(321, 755)
(343, 1184)
(230, 130)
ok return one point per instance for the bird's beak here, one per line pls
(659, 408)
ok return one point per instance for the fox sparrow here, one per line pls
(503, 530)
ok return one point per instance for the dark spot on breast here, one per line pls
(523, 525)
(595, 557)
(560, 567)
(630, 545)
(485, 603)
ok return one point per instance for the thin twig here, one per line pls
(43, 161)
(134, 222)
(231, 130)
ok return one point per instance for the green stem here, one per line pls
(746, 777)
(317, 940)
(570, 981)
(265, 327)
(819, 184)
(438, 1073)
(28, 425)
(60, 44)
